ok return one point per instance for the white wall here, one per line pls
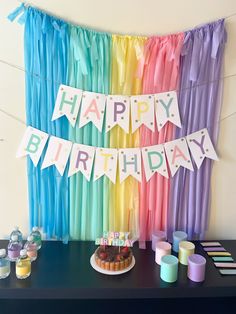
(145, 17)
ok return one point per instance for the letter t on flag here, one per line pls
(105, 163)
(32, 144)
(67, 103)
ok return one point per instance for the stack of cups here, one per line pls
(169, 268)
(156, 237)
(196, 267)
(178, 236)
(162, 249)
(185, 250)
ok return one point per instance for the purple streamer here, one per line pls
(199, 104)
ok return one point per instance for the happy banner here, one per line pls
(148, 110)
(164, 159)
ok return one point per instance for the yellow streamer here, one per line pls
(124, 198)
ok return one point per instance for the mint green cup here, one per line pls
(169, 268)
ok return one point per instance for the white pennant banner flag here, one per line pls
(81, 159)
(201, 147)
(167, 109)
(154, 160)
(67, 103)
(117, 112)
(142, 112)
(58, 152)
(92, 109)
(130, 163)
(105, 163)
(177, 154)
(32, 144)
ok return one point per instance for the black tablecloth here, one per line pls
(62, 274)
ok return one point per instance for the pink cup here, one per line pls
(162, 249)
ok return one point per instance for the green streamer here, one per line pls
(89, 69)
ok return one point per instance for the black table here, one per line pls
(63, 279)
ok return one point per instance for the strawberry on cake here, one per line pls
(113, 258)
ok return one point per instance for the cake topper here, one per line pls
(114, 238)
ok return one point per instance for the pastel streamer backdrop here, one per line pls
(201, 62)
(57, 52)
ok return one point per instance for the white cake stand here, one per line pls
(110, 272)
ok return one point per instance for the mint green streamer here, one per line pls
(88, 69)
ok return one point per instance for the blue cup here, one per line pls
(178, 236)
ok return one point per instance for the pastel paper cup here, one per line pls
(157, 237)
(162, 249)
(178, 236)
(169, 268)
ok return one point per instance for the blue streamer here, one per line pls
(46, 41)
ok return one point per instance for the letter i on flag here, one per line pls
(178, 155)
(201, 147)
(67, 103)
(32, 144)
(57, 154)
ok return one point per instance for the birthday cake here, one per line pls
(113, 258)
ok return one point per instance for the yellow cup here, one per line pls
(186, 249)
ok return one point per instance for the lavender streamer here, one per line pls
(199, 103)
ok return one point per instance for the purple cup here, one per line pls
(196, 267)
(157, 237)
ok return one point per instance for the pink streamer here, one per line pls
(159, 68)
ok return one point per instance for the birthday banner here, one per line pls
(142, 108)
(83, 158)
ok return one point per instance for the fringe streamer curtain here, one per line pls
(159, 68)
(57, 52)
(89, 69)
(200, 102)
(124, 201)
(46, 47)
